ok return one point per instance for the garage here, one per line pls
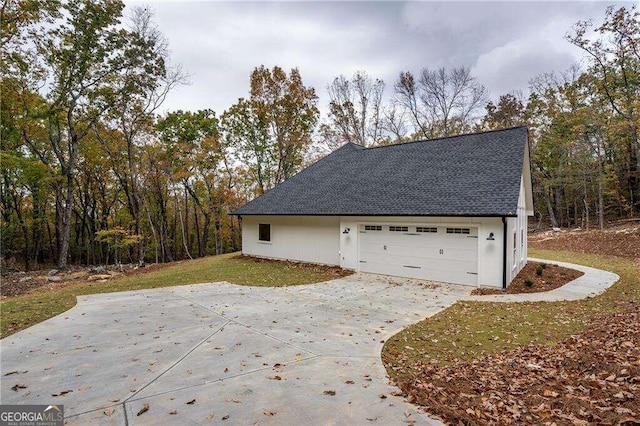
(430, 252)
(450, 210)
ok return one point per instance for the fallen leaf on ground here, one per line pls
(269, 413)
(588, 378)
(108, 412)
(144, 409)
(329, 392)
(18, 386)
(193, 401)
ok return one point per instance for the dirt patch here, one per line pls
(535, 277)
(592, 378)
(43, 281)
(336, 271)
(621, 241)
(18, 283)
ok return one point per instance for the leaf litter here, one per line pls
(593, 377)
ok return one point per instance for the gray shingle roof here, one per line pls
(469, 175)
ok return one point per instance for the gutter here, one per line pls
(504, 252)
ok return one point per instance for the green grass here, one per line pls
(468, 330)
(20, 312)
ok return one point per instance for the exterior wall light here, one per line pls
(490, 237)
(346, 230)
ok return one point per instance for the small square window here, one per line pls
(264, 232)
(426, 229)
(458, 231)
(399, 228)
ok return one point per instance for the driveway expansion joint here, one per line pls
(130, 397)
(252, 329)
(323, 343)
(223, 379)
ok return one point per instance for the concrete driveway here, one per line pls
(214, 353)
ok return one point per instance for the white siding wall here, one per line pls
(489, 251)
(314, 239)
(517, 232)
(319, 239)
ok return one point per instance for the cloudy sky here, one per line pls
(505, 43)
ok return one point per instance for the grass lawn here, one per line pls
(18, 313)
(468, 330)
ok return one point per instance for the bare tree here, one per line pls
(394, 122)
(441, 102)
(355, 113)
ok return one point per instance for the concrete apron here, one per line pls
(220, 352)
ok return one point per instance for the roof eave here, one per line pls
(509, 214)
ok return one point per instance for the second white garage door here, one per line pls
(430, 252)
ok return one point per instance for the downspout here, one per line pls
(504, 252)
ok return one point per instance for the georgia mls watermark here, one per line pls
(31, 415)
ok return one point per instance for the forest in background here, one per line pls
(91, 173)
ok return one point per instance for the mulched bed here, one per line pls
(553, 276)
(592, 378)
(336, 271)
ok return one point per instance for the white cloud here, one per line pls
(220, 43)
(512, 65)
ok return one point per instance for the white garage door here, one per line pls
(430, 252)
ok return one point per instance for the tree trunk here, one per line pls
(552, 215)
(585, 199)
(196, 223)
(153, 232)
(635, 172)
(216, 235)
(25, 231)
(37, 229)
(65, 223)
(184, 239)
(205, 231)
(600, 196)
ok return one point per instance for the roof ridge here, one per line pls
(444, 137)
